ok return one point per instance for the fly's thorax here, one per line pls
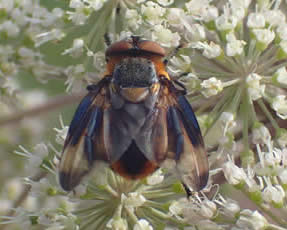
(133, 79)
(134, 72)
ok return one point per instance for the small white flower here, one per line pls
(51, 17)
(273, 158)
(211, 50)
(210, 13)
(274, 17)
(165, 36)
(39, 188)
(117, 224)
(174, 17)
(191, 81)
(256, 20)
(180, 63)
(99, 61)
(19, 17)
(196, 7)
(41, 150)
(283, 46)
(264, 36)
(134, 20)
(239, 13)
(61, 134)
(76, 4)
(77, 49)
(95, 4)
(79, 16)
(165, 2)
(195, 31)
(58, 12)
(226, 22)
(229, 207)
(10, 28)
(255, 90)
(233, 174)
(283, 176)
(54, 34)
(7, 5)
(251, 220)
(211, 87)
(227, 121)
(75, 76)
(234, 46)
(142, 224)
(281, 75)
(133, 199)
(207, 209)
(261, 135)
(279, 104)
(208, 225)
(27, 53)
(281, 31)
(152, 12)
(155, 178)
(176, 208)
(36, 158)
(272, 193)
(242, 3)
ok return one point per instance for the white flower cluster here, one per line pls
(265, 181)
(232, 57)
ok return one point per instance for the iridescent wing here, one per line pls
(83, 142)
(186, 144)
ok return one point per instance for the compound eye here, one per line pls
(118, 47)
(152, 47)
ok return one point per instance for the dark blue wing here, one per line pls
(79, 154)
(187, 144)
(190, 121)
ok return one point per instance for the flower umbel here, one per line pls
(230, 55)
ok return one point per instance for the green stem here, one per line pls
(275, 227)
(236, 100)
(245, 114)
(130, 213)
(268, 115)
(109, 189)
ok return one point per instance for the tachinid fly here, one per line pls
(134, 119)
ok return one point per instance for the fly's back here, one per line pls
(134, 119)
(134, 72)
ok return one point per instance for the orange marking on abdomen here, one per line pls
(148, 168)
